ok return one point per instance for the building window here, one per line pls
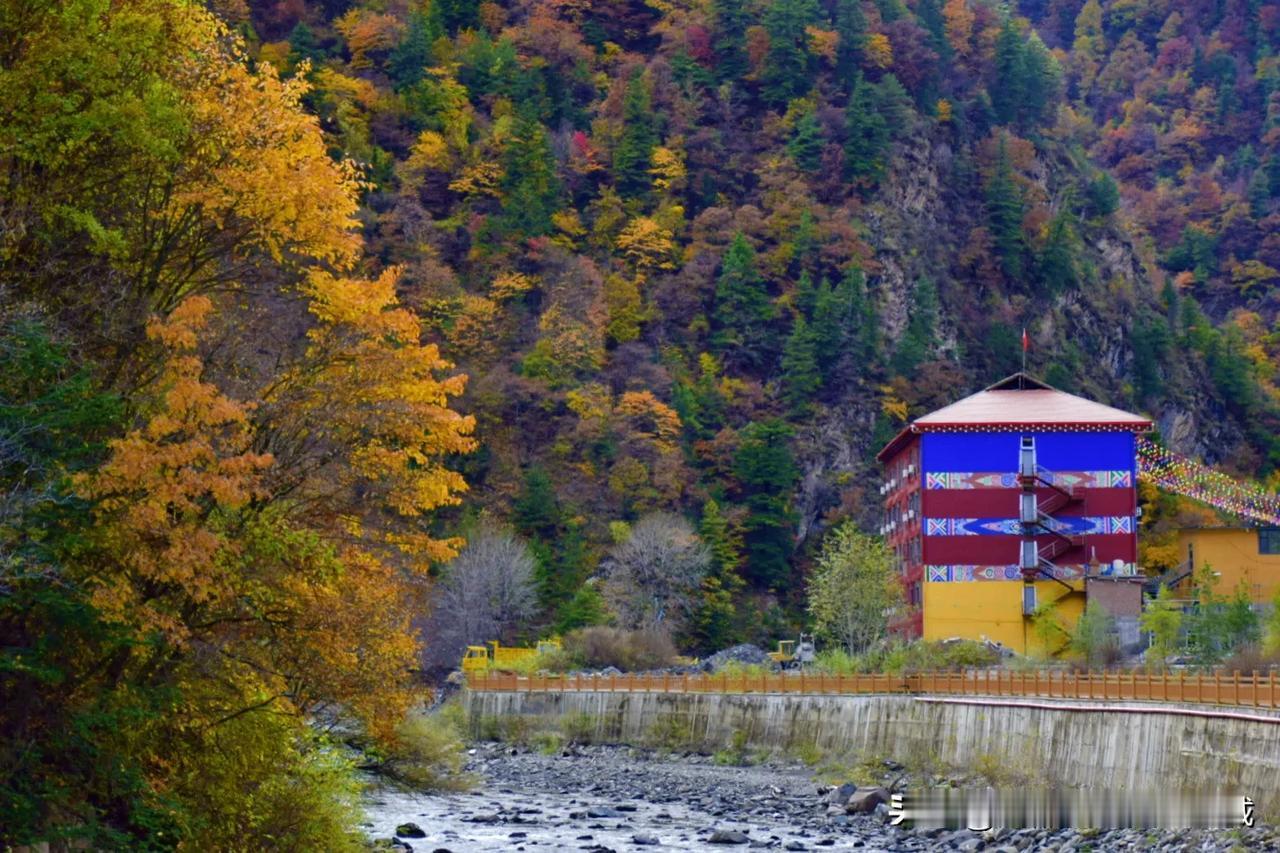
(1269, 540)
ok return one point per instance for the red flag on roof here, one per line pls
(1026, 341)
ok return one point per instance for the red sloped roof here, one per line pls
(1027, 407)
(1015, 403)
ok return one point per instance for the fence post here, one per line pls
(1255, 689)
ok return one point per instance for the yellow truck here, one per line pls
(495, 656)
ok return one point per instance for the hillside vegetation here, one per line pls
(299, 298)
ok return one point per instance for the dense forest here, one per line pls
(296, 297)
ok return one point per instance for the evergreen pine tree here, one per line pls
(786, 70)
(631, 158)
(537, 511)
(894, 104)
(767, 474)
(303, 44)
(805, 146)
(412, 56)
(806, 294)
(918, 339)
(1057, 265)
(731, 21)
(1009, 93)
(531, 190)
(800, 374)
(851, 28)
(866, 134)
(930, 14)
(742, 306)
(1004, 214)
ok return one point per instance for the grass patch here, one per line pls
(735, 754)
(578, 727)
(670, 732)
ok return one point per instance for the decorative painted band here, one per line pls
(1009, 479)
(1084, 525)
(945, 574)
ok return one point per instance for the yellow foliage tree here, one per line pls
(647, 244)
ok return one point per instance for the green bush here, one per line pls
(428, 753)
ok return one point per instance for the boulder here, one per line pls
(840, 794)
(644, 840)
(728, 836)
(865, 800)
(410, 830)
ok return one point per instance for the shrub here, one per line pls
(1253, 657)
(599, 646)
(427, 753)
(548, 743)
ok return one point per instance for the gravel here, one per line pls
(615, 798)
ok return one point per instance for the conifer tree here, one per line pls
(866, 134)
(1008, 94)
(742, 306)
(716, 624)
(631, 159)
(531, 190)
(786, 70)
(1004, 214)
(921, 330)
(410, 59)
(851, 28)
(731, 21)
(845, 326)
(1057, 260)
(805, 146)
(800, 374)
(767, 473)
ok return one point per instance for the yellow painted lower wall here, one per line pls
(1233, 554)
(993, 609)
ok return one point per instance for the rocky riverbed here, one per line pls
(613, 798)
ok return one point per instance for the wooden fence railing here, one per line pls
(1250, 690)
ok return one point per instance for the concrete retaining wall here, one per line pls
(1113, 745)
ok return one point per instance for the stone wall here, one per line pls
(1102, 745)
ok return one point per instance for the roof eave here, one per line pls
(899, 441)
